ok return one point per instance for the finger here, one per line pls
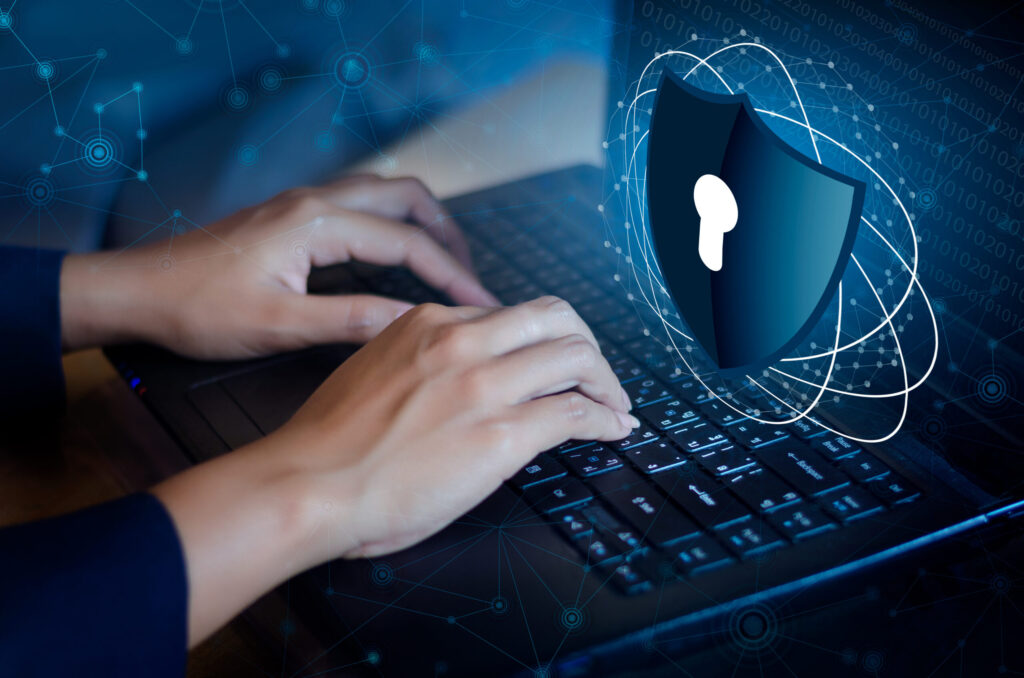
(403, 199)
(570, 362)
(550, 421)
(530, 322)
(351, 318)
(376, 240)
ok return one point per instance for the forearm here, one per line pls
(248, 521)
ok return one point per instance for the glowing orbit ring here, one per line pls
(646, 252)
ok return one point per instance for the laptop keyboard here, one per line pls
(698, 486)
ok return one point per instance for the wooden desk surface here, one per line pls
(109, 445)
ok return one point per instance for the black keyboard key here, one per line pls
(863, 467)
(804, 468)
(697, 436)
(638, 436)
(626, 369)
(571, 445)
(702, 554)
(799, 521)
(556, 495)
(701, 497)
(688, 390)
(658, 456)
(589, 461)
(646, 391)
(670, 414)
(656, 359)
(804, 428)
(656, 520)
(598, 550)
(850, 503)
(541, 469)
(720, 414)
(573, 525)
(751, 538)
(619, 535)
(761, 489)
(893, 490)
(604, 309)
(623, 330)
(718, 391)
(834, 447)
(754, 434)
(722, 460)
(627, 578)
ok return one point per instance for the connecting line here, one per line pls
(150, 19)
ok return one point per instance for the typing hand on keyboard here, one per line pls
(237, 288)
(412, 431)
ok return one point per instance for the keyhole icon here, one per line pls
(718, 213)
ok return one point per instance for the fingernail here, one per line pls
(628, 420)
(624, 397)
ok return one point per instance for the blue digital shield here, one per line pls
(751, 236)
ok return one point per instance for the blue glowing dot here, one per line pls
(45, 168)
(183, 46)
(248, 155)
(137, 86)
(45, 70)
(373, 657)
(237, 98)
(5, 20)
(352, 70)
(101, 54)
(40, 192)
(283, 51)
(142, 175)
(58, 130)
(141, 134)
(176, 214)
(97, 108)
(99, 152)
(134, 382)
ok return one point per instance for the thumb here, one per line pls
(349, 318)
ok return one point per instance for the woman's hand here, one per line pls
(409, 433)
(237, 289)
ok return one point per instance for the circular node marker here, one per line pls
(101, 54)
(373, 657)
(1000, 584)
(382, 574)
(270, 79)
(753, 628)
(571, 618)
(248, 155)
(40, 192)
(334, 8)
(6, 21)
(499, 605)
(183, 46)
(872, 661)
(236, 98)
(99, 153)
(992, 389)
(45, 70)
(324, 141)
(165, 262)
(142, 175)
(58, 131)
(352, 70)
(926, 198)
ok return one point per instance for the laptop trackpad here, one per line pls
(271, 394)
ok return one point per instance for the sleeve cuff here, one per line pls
(102, 591)
(30, 348)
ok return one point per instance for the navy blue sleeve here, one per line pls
(31, 374)
(99, 592)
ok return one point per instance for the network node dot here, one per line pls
(352, 70)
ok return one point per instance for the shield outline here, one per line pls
(845, 251)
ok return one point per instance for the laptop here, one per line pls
(593, 554)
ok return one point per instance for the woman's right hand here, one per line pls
(431, 416)
(412, 431)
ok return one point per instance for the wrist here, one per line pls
(104, 305)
